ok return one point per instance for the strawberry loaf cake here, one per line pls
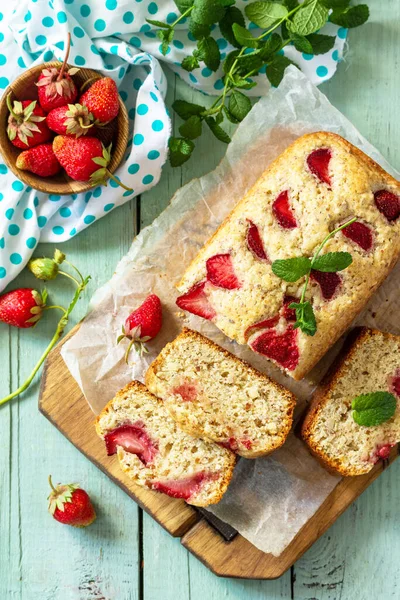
(371, 364)
(156, 454)
(319, 183)
(214, 395)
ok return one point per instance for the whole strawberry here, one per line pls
(70, 505)
(143, 324)
(82, 157)
(27, 124)
(73, 119)
(56, 87)
(102, 100)
(22, 307)
(40, 160)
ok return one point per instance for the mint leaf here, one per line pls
(180, 150)
(265, 14)
(305, 317)
(189, 63)
(198, 30)
(335, 3)
(230, 117)
(373, 409)
(166, 37)
(244, 37)
(158, 24)
(240, 82)
(291, 4)
(291, 269)
(239, 105)
(321, 43)
(183, 5)
(209, 53)
(301, 43)
(309, 18)
(230, 59)
(276, 69)
(352, 17)
(187, 109)
(332, 262)
(219, 133)
(207, 12)
(191, 128)
(272, 45)
(249, 63)
(232, 15)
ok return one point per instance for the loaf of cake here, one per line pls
(319, 183)
(156, 454)
(370, 364)
(214, 395)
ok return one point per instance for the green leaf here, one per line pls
(321, 43)
(219, 133)
(230, 59)
(249, 63)
(272, 45)
(232, 15)
(198, 30)
(352, 17)
(291, 269)
(183, 5)
(291, 4)
(158, 24)
(207, 12)
(305, 317)
(166, 36)
(332, 262)
(189, 63)
(180, 150)
(230, 117)
(239, 105)
(301, 43)
(187, 109)
(244, 37)
(373, 409)
(191, 128)
(309, 18)
(219, 118)
(265, 14)
(240, 82)
(209, 53)
(276, 69)
(335, 3)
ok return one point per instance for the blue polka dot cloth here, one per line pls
(111, 36)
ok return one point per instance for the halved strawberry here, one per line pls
(360, 234)
(289, 313)
(318, 163)
(283, 212)
(196, 302)
(254, 242)
(328, 282)
(220, 272)
(134, 439)
(280, 347)
(266, 324)
(388, 204)
(186, 390)
(183, 488)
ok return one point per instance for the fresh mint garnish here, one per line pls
(297, 24)
(373, 409)
(293, 269)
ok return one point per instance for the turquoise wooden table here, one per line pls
(125, 555)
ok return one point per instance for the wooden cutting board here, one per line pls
(62, 402)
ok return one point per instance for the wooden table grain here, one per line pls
(125, 555)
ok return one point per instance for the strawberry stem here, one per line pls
(61, 73)
(54, 306)
(111, 176)
(128, 351)
(58, 333)
(69, 276)
(84, 126)
(51, 485)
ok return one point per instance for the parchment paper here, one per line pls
(269, 499)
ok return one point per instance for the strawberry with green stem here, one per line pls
(70, 504)
(73, 119)
(26, 124)
(142, 325)
(22, 307)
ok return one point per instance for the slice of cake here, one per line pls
(319, 183)
(371, 364)
(156, 454)
(214, 395)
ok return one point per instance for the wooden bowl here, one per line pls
(24, 88)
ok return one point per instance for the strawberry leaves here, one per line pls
(370, 410)
(293, 269)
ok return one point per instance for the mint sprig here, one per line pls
(298, 25)
(293, 269)
(373, 409)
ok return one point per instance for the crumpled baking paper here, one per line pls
(270, 498)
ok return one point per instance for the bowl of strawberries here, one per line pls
(63, 130)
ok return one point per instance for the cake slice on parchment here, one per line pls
(370, 364)
(214, 395)
(319, 183)
(156, 454)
